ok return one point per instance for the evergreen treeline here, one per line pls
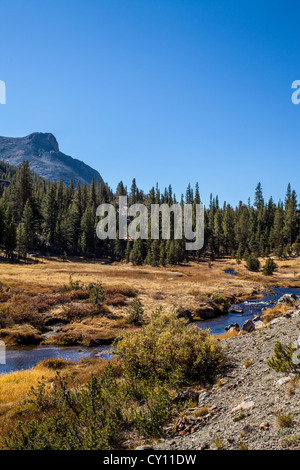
(39, 215)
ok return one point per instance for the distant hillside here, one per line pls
(45, 159)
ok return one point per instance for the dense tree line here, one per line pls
(58, 219)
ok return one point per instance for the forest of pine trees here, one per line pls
(55, 219)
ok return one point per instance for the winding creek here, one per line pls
(250, 308)
(25, 358)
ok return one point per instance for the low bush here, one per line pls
(135, 311)
(285, 358)
(169, 350)
(124, 290)
(116, 300)
(92, 417)
(67, 339)
(20, 338)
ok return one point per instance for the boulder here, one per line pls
(257, 318)
(202, 397)
(288, 299)
(244, 406)
(248, 326)
(236, 310)
(233, 325)
(259, 324)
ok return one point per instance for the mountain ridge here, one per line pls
(45, 159)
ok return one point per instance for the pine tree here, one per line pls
(21, 189)
(155, 253)
(136, 256)
(127, 252)
(258, 199)
(28, 226)
(9, 235)
(21, 240)
(50, 214)
(88, 231)
(290, 217)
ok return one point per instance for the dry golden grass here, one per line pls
(164, 287)
(15, 386)
(156, 286)
(228, 334)
(277, 311)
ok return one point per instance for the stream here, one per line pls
(27, 357)
(250, 308)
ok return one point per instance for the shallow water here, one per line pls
(25, 358)
(251, 308)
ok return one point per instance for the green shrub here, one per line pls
(155, 408)
(97, 294)
(171, 351)
(84, 418)
(269, 267)
(92, 417)
(136, 311)
(284, 358)
(253, 263)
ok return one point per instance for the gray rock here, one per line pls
(144, 448)
(248, 326)
(233, 325)
(289, 299)
(45, 159)
(257, 318)
(202, 397)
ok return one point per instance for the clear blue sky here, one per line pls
(167, 91)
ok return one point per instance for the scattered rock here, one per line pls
(249, 399)
(202, 397)
(144, 448)
(245, 406)
(287, 299)
(283, 381)
(248, 326)
(233, 325)
(264, 425)
(259, 324)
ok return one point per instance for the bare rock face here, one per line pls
(45, 159)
